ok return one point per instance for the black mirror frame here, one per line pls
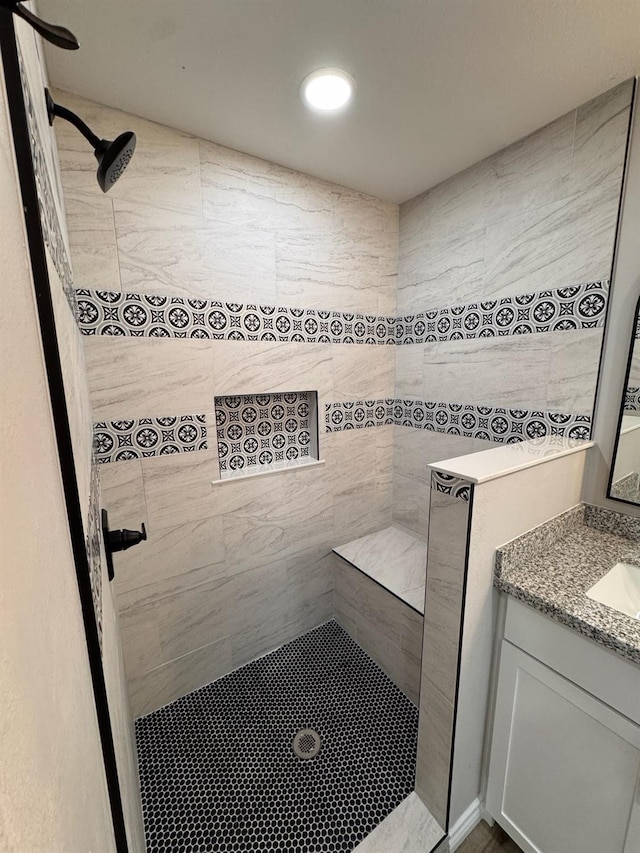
(636, 320)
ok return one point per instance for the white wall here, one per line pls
(53, 793)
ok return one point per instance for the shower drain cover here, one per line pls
(306, 744)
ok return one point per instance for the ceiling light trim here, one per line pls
(327, 90)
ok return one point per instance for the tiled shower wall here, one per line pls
(538, 217)
(228, 572)
(208, 273)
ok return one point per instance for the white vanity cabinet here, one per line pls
(564, 771)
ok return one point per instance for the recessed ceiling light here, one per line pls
(327, 90)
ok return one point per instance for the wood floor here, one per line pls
(485, 839)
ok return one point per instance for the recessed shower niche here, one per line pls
(261, 433)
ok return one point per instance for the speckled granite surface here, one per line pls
(552, 566)
(627, 488)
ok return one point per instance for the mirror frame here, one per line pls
(627, 373)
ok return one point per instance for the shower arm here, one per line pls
(54, 110)
(54, 33)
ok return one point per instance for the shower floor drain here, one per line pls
(306, 744)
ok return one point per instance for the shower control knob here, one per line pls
(118, 540)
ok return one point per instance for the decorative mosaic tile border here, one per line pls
(116, 441)
(358, 414)
(263, 429)
(581, 306)
(632, 399)
(92, 545)
(140, 315)
(449, 485)
(49, 220)
(492, 423)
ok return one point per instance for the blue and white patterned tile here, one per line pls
(446, 484)
(263, 429)
(137, 438)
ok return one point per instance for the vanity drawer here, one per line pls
(586, 663)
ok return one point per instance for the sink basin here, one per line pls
(619, 589)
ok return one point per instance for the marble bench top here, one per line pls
(552, 566)
(394, 559)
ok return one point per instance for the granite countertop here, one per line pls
(394, 559)
(552, 566)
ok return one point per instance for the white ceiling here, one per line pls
(441, 83)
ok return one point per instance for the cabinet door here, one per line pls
(564, 766)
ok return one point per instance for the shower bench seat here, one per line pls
(379, 583)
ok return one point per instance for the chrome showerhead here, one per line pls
(113, 156)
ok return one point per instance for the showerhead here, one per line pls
(113, 156)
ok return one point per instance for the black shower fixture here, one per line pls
(60, 36)
(113, 157)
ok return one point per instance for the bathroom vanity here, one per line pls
(564, 769)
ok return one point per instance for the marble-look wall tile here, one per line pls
(185, 255)
(410, 504)
(254, 193)
(161, 685)
(529, 173)
(444, 270)
(409, 370)
(255, 367)
(194, 617)
(573, 370)
(143, 377)
(352, 454)
(92, 238)
(601, 125)
(362, 372)
(364, 506)
(122, 491)
(474, 371)
(545, 247)
(164, 172)
(140, 639)
(178, 488)
(172, 558)
(384, 626)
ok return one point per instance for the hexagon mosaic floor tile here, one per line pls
(218, 771)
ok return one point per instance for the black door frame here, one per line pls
(42, 293)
